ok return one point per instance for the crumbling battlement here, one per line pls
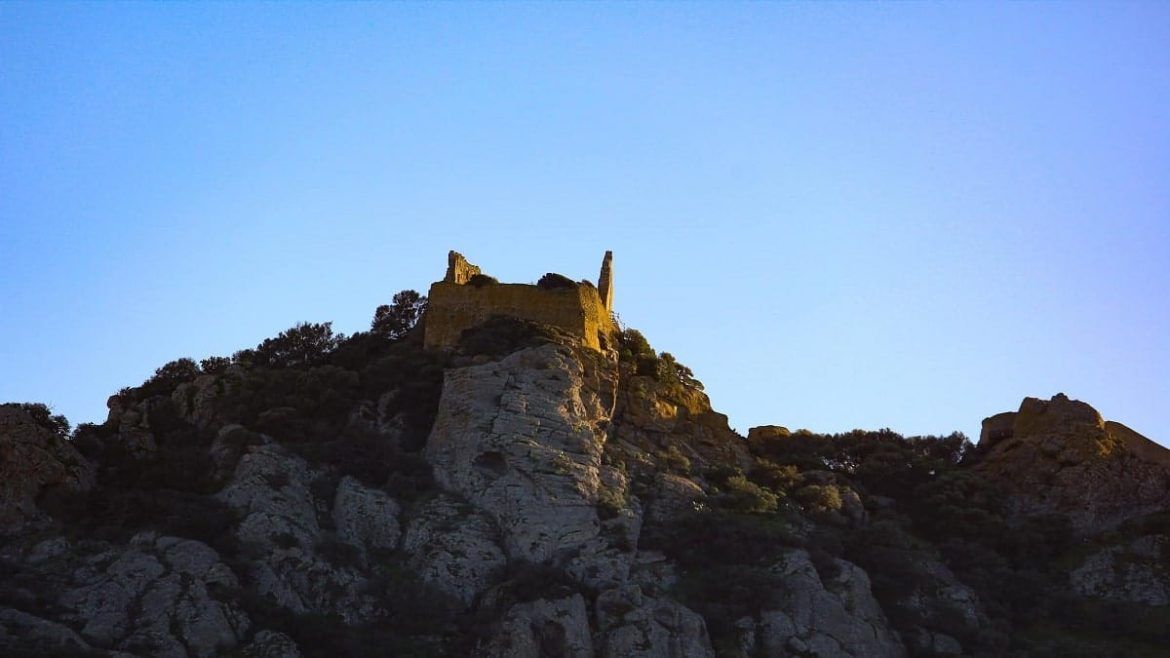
(454, 305)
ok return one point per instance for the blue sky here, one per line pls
(902, 215)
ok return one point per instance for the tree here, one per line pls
(170, 375)
(394, 320)
(302, 345)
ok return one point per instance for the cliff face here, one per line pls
(34, 463)
(525, 495)
(1061, 456)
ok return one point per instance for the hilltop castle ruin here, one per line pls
(466, 297)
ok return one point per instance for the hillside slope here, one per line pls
(523, 495)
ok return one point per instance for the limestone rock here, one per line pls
(271, 644)
(195, 400)
(522, 438)
(453, 547)
(1060, 456)
(1132, 573)
(22, 632)
(365, 518)
(156, 596)
(272, 491)
(635, 625)
(543, 628)
(833, 617)
(33, 462)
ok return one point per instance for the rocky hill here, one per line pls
(525, 495)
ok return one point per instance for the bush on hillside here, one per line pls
(554, 281)
(394, 320)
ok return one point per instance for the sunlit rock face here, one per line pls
(1061, 456)
(522, 439)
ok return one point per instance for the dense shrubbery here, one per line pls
(554, 281)
(481, 280)
(44, 417)
(635, 351)
(501, 335)
(394, 320)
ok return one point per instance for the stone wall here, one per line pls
(452, 308)
(458, 269)
(605, 281)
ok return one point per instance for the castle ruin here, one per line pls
(466, 297)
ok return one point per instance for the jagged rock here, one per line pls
(271, 644)
(453, 548)
(195, 400)
(522, 439)
(1133, 573)
(674, 495)
(366, 518)
(543, 628)
(831, 617)
(931, 643)
(654, 417)
(272, 491)
(940, 608)
(1060, 456)
(20, 631)
(758, 437)
(34, 462)
(635, 625)
(156, 596)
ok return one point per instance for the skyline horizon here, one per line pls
(839, 216)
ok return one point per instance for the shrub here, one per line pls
(554, 281)
(394, 320)
(500, 335)
(481, 280)
(675, 461)
(744, 495)
(302, 345)
(44, 417)
(169, 376)
(215, 365)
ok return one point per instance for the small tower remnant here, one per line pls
(459, 271)
(466, 298)
(605, 281)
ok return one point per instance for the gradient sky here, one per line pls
(900, 215)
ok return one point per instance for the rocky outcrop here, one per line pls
(826, 617)
(454, 548)
(23, 632)
(1060, 456)
(653, 420)
(543, 628)
(34, 462)
(301, 566)
(635, 625)
(1136, 572)
(522, 439)
(365, 518)
(156, 595)
(270, 644)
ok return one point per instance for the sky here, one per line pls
(905, 215)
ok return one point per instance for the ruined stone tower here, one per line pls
(605, 281)
(457, 303)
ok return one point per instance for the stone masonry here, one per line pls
(455, 304)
